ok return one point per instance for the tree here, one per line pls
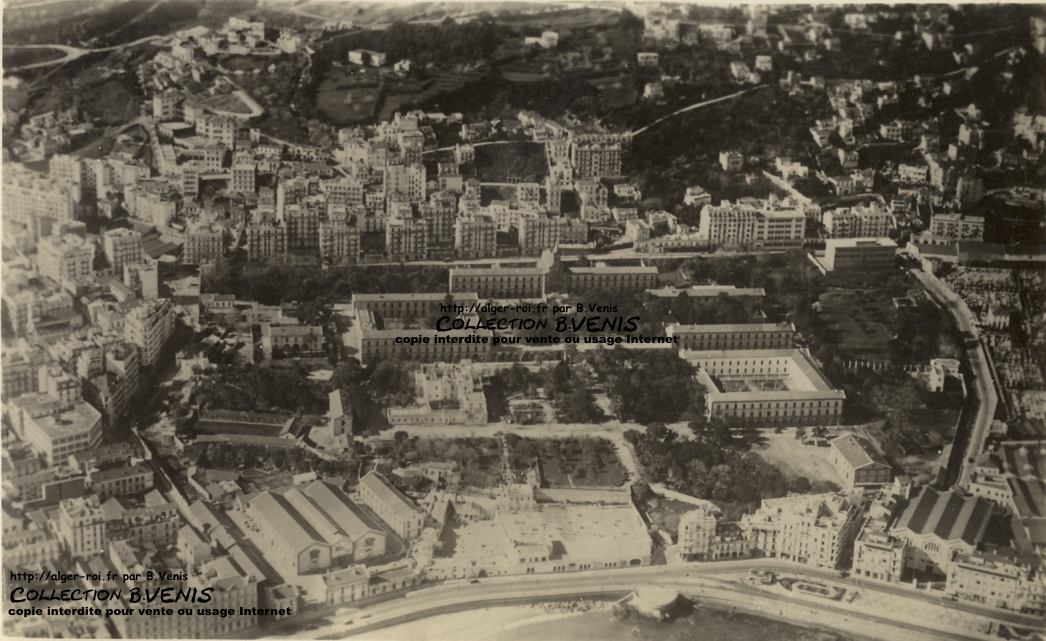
(579, 406)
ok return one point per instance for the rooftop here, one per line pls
(728, 328)
(859, 242)
(947, 515)
(858, 452)
(315, 513)
(803, 377)
(387, 494)
(706, 291)
(79, 417)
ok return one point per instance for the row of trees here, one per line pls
(583, 461)
(372, 389)
(479, 459)
(648, 386)
(261, 389)
(716, 464)
(245, 455)
(565, 383)
(274, 284)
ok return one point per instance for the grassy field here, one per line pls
(565, 19)
(348, 105)
(227, 102)
(859, 320)
(616, 91)
(523, 161)
(345, 96)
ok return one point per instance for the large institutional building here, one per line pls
(314, 527)
(859, 255)
(937, 525)
(393, 326)
(765, 387)
(500, 282)
(399, 512)
(733, 336)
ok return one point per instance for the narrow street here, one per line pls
(966, 445)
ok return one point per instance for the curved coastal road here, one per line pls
(698, 580)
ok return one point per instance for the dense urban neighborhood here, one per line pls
(320, 318)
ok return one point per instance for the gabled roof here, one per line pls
(286, 521)
(948, 515)
(389, 495)
(858, 452)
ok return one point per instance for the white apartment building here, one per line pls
(339, 242)
(406, 238)
(405, 182)
(817, 529)
(122, 247)
(858, 222)
(29, 195)
(244, 176)
(949, 227)
(81, 526)
(537, 233)
(266, 240)
(66, 257)
(202, 244)
(758, 224)
(997, 581)
(143, 278)
(148, 325)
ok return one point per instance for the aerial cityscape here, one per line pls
(523, 321)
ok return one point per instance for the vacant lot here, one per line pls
(519, 161)
(795, 459)
(664, 513)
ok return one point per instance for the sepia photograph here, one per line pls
(517, 320)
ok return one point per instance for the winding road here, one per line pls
(74, 53)
(695, 106)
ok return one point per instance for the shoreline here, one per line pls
(509, 622)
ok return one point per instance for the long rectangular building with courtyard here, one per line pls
(404, 326)
(765, 387)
